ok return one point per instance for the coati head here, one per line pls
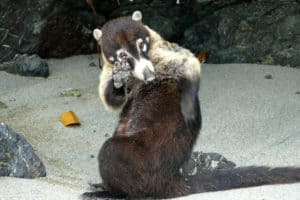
(126, 38)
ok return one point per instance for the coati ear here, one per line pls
(97, 33)
(137, 15)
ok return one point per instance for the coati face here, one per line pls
(126, 39)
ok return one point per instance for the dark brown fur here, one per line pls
(149, 145)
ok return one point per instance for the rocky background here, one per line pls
(243, 31)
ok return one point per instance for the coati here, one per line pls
(159, 121)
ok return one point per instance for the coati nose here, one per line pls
(148, 74)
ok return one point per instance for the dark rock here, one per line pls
(165, 17)
(108, 6)
(247, 31)
(252, 31)
(27, 66)
(17, 157)
(64, 36)
(203, 8)
(20, 26)
(23, 28)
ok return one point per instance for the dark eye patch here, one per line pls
(131, 62)
(141, 45)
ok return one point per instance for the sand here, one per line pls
(247, 118)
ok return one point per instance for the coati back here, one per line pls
(159, 121)
(149, 145)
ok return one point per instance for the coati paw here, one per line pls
(121, 73)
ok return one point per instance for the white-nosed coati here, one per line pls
(160, 119)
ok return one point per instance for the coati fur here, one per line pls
(159, 121)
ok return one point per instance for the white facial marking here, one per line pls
(138, 43)
(137, 15)
(144, 48)
(97, 33)
(148, 39)
(140, 40)
(141, 66)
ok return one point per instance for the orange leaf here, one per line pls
(69, 118)
(202, 56)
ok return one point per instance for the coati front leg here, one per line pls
(112, 93)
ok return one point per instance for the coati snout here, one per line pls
(131, 45)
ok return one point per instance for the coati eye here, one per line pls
(141, 45)
(147, 39)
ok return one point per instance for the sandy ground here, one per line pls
(247, 118)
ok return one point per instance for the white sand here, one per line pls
(248, 119)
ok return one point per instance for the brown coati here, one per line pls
(159, 121)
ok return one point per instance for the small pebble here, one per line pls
(92, 156)
(2, 105)
(106, 135)
(90, 57)
(92, 64)
(298, 92)
(268, 76)
(70, 92)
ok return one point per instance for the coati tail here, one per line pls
(215, 180)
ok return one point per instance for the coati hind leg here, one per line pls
(137, 166)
